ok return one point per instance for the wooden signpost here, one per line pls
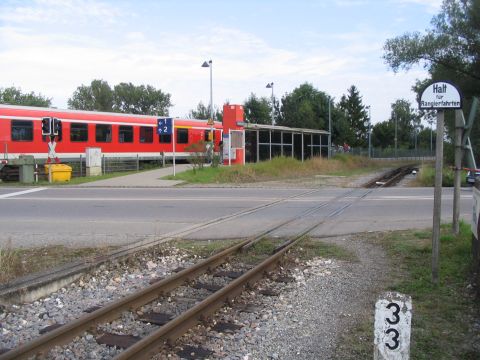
(439, 96)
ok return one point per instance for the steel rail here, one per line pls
(67, 332)
(146, 347)
(113, 310)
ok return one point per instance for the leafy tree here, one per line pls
(356, 116)
(125, 98)
(14, 96)
(341, 130)
(258, 110)
(383, 134)
(305, 107)
(146, 100)
(203, 112)
(407, 120)
(96, 96)
(450, 50)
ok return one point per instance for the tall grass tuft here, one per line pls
(281, 168)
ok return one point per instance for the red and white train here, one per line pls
(118, 135)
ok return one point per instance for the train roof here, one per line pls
(16, 111)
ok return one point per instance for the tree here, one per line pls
(383, 135)
(203, 112)
(450, 51)
(146, 100)
(305, 107)
(407, 120)
(258, 110)
(14, 96)
(96, 96)
(356, 116)
(125, 98)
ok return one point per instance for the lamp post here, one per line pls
(329, 128)
(210, 65)
(396, 135)
(369, 133)
(270, 86)
(431, 135)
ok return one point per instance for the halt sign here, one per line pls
(440, 95)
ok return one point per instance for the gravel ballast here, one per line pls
(303, 320)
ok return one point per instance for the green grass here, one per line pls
(310, 248)
(443, 315)
(280, 168)
(203, 248)
(18, 262)
(426, 176)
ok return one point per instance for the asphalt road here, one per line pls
(118, 216)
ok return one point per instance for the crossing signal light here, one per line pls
(57, 127)
(46, 126)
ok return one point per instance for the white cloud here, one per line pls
(57, 12)
(54, 63)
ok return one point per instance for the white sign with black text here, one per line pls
(440, 95)
(393, 320)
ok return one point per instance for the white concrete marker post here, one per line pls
(393, 320)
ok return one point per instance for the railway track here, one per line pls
(169, 328)
(391, 178)
(176, 327)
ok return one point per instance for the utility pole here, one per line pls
(369, 133)
(396, 156)
(437, 200)
(458, 168)
(329, 129)
(439, 96)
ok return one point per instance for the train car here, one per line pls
(117, 135)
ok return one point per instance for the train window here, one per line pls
(103, 133)
(78, 132)
(165, 138)
(125, 134)
(146, 134)
(22, 130)
(206, 136)
(182, 136)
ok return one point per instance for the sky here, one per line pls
(53, 46)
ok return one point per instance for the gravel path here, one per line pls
(307, 319)
(303, 322)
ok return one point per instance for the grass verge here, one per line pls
(15, 263)
(281, 168)
(310, 248)
(444, 316)
(426, 176)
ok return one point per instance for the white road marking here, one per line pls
(4, 196)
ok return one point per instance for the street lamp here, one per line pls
(270, 86)
(369, 133)
(210, 65)
(210, 121)
(396, 135)
(329, 128)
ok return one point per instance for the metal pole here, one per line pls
(329, 130)
(229, 147)
(396, 156)
(458, 167)
(369, 134)
(437, 199)
(173, 140)
(273, 107)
